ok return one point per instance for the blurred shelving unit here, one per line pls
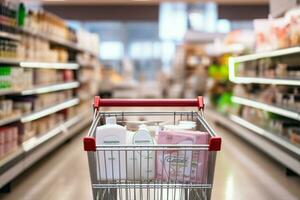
(65, 116)
(267, 107)
(267, 90)
(276, 147)
(51, 88)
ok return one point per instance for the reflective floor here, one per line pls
(242, 173)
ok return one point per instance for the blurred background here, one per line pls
(241, 55)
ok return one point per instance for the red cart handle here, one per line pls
(198, 102)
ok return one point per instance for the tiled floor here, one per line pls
(242, 173)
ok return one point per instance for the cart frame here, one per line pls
(116, 188)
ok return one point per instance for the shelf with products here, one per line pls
(267, 94)
(35, 141)
(42, 89)
(293, 114)
(41, 64)
(9, 119)
(279, 67)
(51, 88)
(282, 127)
(26, 81)
(58, 41)
(274, 137)
(35, 64)
(9, 36)
(49, 110)
(89, 75)
(35, 148)
(273, 81)
(268, 54)
(257, 136)
(41, 30)
(71, 66)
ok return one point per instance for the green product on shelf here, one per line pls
(5, 73)
(225, 104)
(21, 15)
(218, 72)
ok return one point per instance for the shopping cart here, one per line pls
(182, 178)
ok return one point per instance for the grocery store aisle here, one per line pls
(242, 173)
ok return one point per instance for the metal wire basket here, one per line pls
(158, 171)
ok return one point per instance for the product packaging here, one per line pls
(182, 165)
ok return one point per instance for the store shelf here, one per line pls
(268, 54)
(257, 80)
(7, 92)
(33, 150)
(10, 160)
(57, 40)
(45, 65)
(267, 134)
(51, 88)
(36, 141)
(10, 61)
(10, 119)
(9, 36)
(261, 80)
(276, 147)
(49, 65)
(52, 39)
(270, 108)
(49, 110)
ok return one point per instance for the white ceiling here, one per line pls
(145, 2)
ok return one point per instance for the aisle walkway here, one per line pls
(242, 173)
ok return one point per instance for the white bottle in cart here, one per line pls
(131, 158)
(145, 160)
(111, 162)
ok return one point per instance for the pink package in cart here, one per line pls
(181, 165)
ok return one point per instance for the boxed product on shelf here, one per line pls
(276, 124)
(47, 76)
(281, 96)
(286, 68)
(43, 125)
(294, 136)
(17, 79)
(28, 104)
(8, 140)
(8, 18)
(6, 108)
(37, 49)
(29, 131)
(278, 33)
(8, 48)
(14, 78)
(49, 24)
(52, 76)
